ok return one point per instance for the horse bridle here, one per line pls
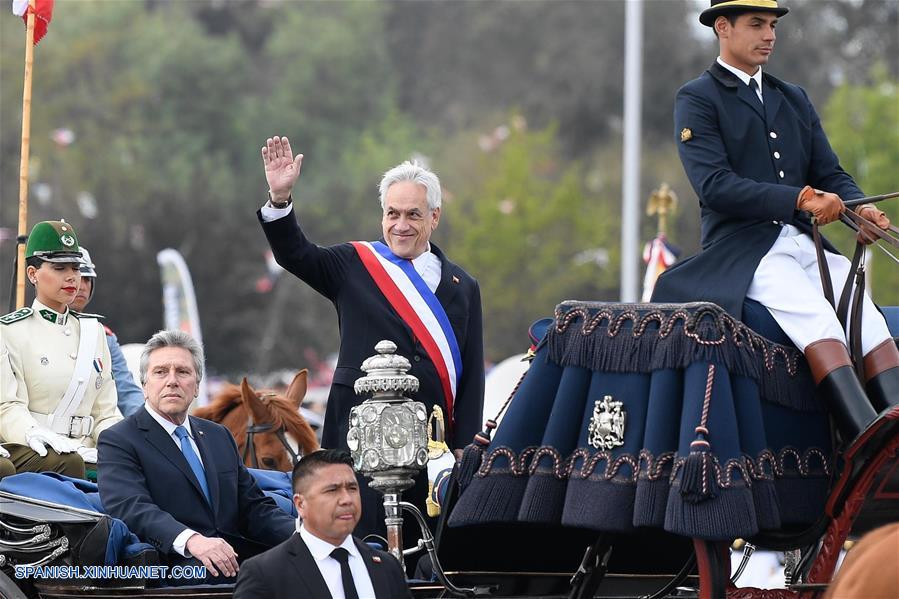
(253, 428)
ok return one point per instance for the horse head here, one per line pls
(268, 428)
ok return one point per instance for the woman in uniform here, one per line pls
(57, 391)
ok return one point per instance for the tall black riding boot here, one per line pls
(882, 375)
(838, 386)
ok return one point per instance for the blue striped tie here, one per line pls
(188, 450)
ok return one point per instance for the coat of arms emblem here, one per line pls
(606, 428)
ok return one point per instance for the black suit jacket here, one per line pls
(146, 481)
(747, 163)
(289, 571)
(365, 317)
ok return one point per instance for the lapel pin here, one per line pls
(376, 559)
(455, 279)
(686, 135)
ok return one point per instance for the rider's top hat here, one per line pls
(724, 7)
(53, 241)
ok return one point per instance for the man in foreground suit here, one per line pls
(402, 288)
(178, 481)
(323, 559)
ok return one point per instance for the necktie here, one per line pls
(343, 557)
(188, 450)
(754, 86)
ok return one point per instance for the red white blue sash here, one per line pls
(420, 309)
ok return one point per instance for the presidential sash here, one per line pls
(420, 309)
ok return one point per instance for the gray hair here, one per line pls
(412, 170)
(172, 338)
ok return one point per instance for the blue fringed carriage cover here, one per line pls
(674, 416)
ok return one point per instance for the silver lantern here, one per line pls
(388, 436)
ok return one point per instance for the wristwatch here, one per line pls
(279, 204)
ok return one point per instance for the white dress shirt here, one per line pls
(180, 542)
(427, 264)
(745, 78)
(330, 567)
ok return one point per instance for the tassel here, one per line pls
(472, 455)
(698, 482)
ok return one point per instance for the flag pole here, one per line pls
(23, 165)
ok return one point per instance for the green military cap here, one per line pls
(53, 241)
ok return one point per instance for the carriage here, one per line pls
(642, 440)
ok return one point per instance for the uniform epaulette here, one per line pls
(84, 314)
(16, 316)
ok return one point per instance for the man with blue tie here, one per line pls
(177, 481)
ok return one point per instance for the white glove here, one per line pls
(88, 454)
(38, 438)
(3, 452)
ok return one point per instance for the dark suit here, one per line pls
(290, 571)
(365, 318)
(747, 163)
(146, 481)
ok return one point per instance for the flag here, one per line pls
(658, 256)
(179, 301)
(43, 12)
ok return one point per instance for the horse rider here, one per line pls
(57, 393)
(131, 398)
(757, 156)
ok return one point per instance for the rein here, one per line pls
(253, 428)
(850, 317)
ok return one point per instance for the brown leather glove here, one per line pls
(824, 206)
(874, 215)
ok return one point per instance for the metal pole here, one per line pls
(630, 181)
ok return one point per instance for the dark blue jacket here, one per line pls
(747, 164)
(145, 481)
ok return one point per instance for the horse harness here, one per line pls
(850, 317)
(253, 428)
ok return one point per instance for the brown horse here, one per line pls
(266, 419)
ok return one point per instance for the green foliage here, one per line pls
(862, 123)
(526, 228)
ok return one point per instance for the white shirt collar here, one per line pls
(168, 425)
(741, 74)
(428, 266)
(321, 549)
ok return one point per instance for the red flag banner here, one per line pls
(43, 12)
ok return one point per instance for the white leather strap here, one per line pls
(61, 418)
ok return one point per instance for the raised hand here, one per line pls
(281, 168)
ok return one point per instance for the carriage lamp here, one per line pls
(388, 435)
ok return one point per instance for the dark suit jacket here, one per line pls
(747, 164)
(145, 481)
(289, 571)
(365, 318)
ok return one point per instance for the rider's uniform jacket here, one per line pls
(747, 161)
(39, 352)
